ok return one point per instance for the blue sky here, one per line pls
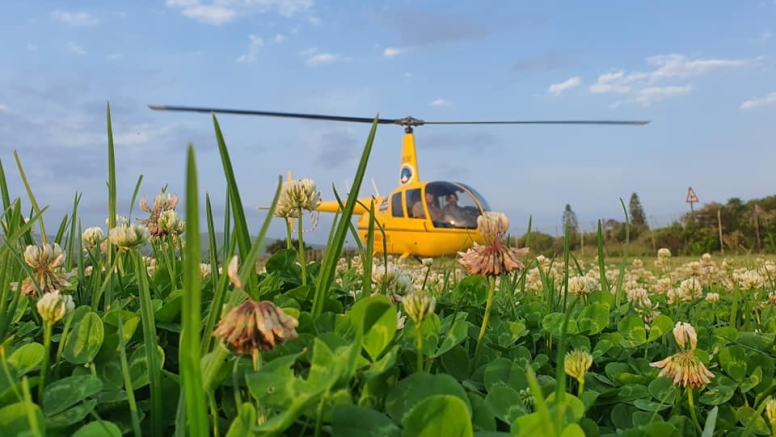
(702, 72)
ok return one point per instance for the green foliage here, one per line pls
(747, 227)
(137, 355)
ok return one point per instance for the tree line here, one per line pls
(735, 227)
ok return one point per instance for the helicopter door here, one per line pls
(397, 209)
(415, 207)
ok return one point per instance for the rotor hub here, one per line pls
(409, 121)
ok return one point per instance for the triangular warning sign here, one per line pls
(691, 197)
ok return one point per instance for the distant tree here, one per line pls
(570, 219)
(637, 215)
(281, 244)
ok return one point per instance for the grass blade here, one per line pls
(330, 261)
(150, 343)
(241, 226)
(111, 208)
(4, 188)
(219, 290)
(191, 372)
(43, 236)
(134, 197)
(73, 235)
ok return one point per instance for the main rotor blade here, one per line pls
(405, 121)
(271, 114)
(610, 122)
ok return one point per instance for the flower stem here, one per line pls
(288, 234)
(47, 328)
(256, 367)
(488, 305)
(692, 409)
(581, 387)
(301, 250)
(319, 419)
(419, 341)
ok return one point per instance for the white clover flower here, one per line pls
(663, 285)
(493, 225)
(690, 289)
(204, 270)
(128, 236)
(581, 285)
(297, 195)
(44, 257)
(53, 306)
(685, 333)
(170, 223)
(663, 253)
(92, 237)
(749, 280)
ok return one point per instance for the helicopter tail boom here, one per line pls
(333, 206)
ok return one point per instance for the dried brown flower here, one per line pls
(685, 369)
(163, 203)
(493, 258)
(254, 326)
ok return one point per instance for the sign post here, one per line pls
(691, 198)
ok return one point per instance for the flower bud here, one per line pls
(53, 306)
(128, 236)
(418, 306)
(577, 364)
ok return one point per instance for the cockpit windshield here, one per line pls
(454, 205)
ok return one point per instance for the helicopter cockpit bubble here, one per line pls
(460, 204)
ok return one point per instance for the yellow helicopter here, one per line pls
(423, 219)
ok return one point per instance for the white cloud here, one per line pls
(566, 85)
(392, 51)
(76, 49)
(3, 108)
(759, 102)
(650, 95)
(314, 58)
(680, 67)
(74, 18)
(215, 15)
(643, 87)
(113, 56)
(279, 38)
(321, 58)
(32, 47)
(253, 50)
(441, 102)
(218, 12)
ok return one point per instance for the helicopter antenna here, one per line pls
(374, 185)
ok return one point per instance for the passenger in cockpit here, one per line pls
(452, 211)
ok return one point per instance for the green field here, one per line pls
(172, 328)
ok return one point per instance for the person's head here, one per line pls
(452, 199)
(429, 197)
